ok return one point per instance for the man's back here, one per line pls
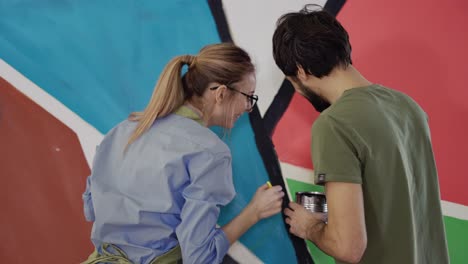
(388, 134)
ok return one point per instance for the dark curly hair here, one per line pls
(312, 39)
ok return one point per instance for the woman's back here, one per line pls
(158, 180)
(138, 195)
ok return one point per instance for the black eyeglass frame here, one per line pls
(252, 98)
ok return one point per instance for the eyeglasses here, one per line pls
(252, 99)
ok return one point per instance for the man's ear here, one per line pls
(301, 74)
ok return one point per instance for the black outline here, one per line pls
(278, 107)
(334, 6)
(264, 127)
(216, 7)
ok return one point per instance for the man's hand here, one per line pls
(344, 236)
(301, 220)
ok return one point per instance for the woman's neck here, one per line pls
(197, 108)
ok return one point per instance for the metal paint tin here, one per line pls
(315, 202)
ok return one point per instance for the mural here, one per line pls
(70, 71)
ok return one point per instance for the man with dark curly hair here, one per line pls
(371, 149)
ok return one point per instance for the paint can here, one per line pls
(315, 202)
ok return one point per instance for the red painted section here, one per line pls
(292, 135)
(418, 47)
(43, 174)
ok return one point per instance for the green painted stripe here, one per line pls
(304, 175)
(296, 186)
(456, 229)
(457, 239)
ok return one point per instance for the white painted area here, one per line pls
(455, 210)
(252, 24)
(243, 255)
(297, 173)
(88, 136)
(293, 172)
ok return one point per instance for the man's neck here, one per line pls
(334, 85)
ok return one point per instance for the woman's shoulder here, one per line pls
(188, 131)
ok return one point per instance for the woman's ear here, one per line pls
(220, 93)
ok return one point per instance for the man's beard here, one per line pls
(316, 100)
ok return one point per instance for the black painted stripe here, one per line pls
(263, 127)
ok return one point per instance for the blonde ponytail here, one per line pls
(222, 63)
(168, 95)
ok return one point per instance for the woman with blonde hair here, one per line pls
(160, 177)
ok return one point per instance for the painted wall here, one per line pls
(70, 71)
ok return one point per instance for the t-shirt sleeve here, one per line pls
(88, 206)
(334, 153)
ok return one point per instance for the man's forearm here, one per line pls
(329, 242)
(344, 236)
(320, 235)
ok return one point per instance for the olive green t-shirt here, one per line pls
(380, 138)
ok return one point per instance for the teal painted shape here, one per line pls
(102, 59)
(268, 239)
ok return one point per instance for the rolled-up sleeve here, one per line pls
(210, 187)
(88, 202)
(88, 206)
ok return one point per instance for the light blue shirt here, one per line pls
(166, 189)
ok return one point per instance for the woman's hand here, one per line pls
(267, 201)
